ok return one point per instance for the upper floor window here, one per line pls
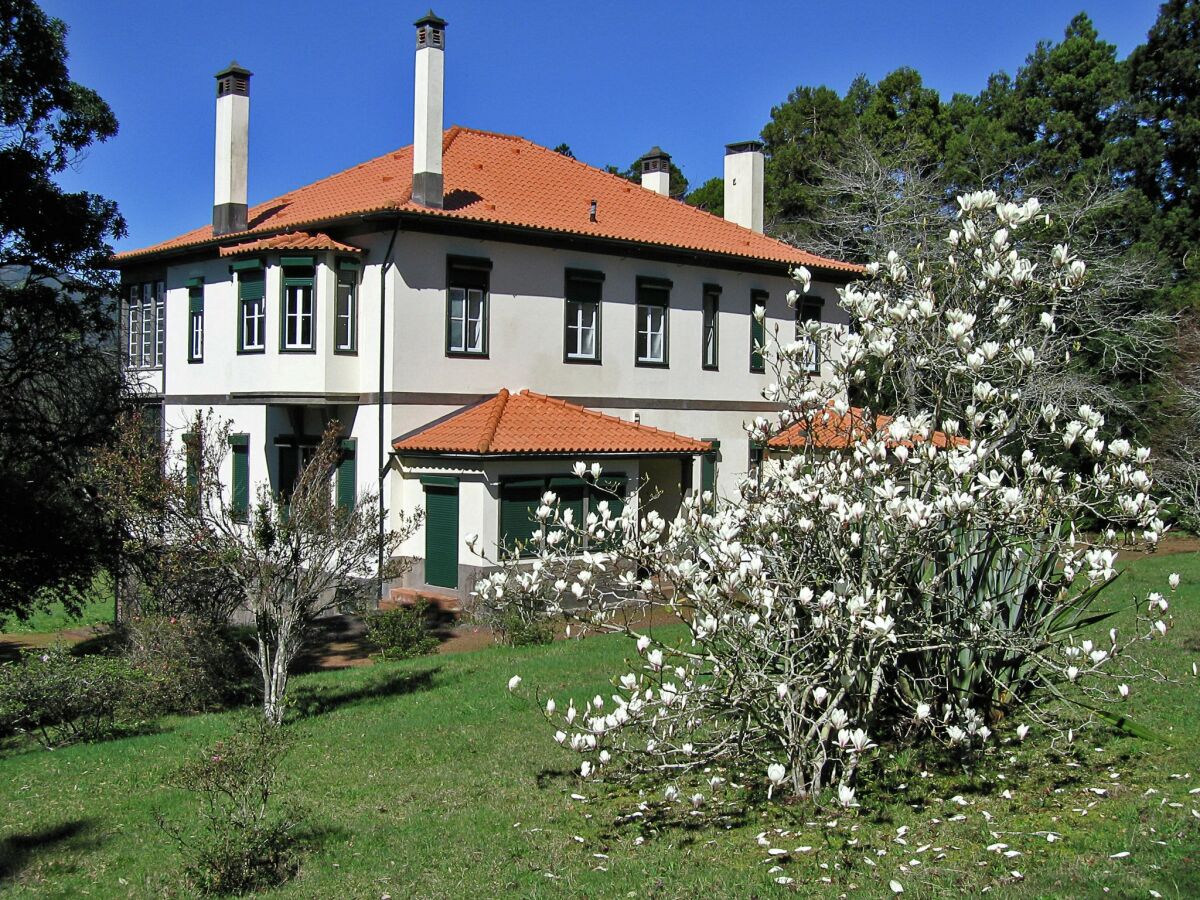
(299, 304)
(145, 319)
(809, 310)
(196, 320)
(653, 313)
(710, 309)
(345, 314)
(252, 309)
(581, 336)
(467, 306)
(758, 330)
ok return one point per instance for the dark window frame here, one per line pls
(347, 277)
(195, 329)
(710, 320)
(249, 274)
(297, 274)
(652, 293)
(810, 309)
(145, 302)
(758, 332)
(576, 284)
(466, 274)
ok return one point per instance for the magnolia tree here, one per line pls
(926, 583)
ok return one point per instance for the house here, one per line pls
(478, 312)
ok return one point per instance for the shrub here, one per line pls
(59, 698)
(401, 633)
(244, 841)
(519, 630)
(193, 665)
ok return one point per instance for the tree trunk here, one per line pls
(273, 659)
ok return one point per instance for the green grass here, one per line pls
(97, 609)
(428, 779)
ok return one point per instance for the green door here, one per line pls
(441, 532)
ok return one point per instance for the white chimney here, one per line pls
(233, 147)
(744, 163)
(656, 171)
(427, 111)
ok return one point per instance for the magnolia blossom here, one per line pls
(514, 682)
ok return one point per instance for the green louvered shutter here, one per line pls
(441, 532)
(240, 445)
(571, 492)
(347, 475)
(518, 500)
(191, 445)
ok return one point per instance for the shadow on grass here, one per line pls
(18, 851)
(311, 700)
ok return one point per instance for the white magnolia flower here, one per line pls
(1173, 580)
(776, 773)
(550, 705)
(923, 710)
(514, 682)
(845, 796)
(1123, 690)
(1022, 730)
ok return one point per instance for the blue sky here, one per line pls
(333, 81)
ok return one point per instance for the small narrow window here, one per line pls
(808, 310)
(581, 336)
(195, 321)
(239, 499)
(653, 309)
(347, 482)
(467, 307)
(252, 311)
(346, 311)
(160, 323)
(709, 335)
(298, 307)
(758, 330)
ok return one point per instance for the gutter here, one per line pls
(384, 449)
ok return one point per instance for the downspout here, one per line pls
(384, 456)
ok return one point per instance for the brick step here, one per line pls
(439, 600)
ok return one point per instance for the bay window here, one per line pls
(299, 304)
(145, 322)
(345, 337)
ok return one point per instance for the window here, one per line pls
(294, 455)
(196, 320)
(758, 330)
(239, 444)
(347, 474)
(467, 306)
(298, 304)
(809, 310)
(145, 320)
(252, 310)
(653, 308)
(520, 497)
(581, 336)
(711, 307)
(345, 332)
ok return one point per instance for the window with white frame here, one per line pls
(195, 320)
(299, 304)
(467, 306)
(145, 323)
(345, 314)
(252, 311)
(653, 308)
(808, 310)
(581, 335)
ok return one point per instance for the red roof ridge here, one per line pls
(618, 419)
(493, 422)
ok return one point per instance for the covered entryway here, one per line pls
(441, 530)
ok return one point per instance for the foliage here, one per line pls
(916, 585)
(286, 559)
(710, 196)
(401, 633)
(59, 388)
(677, 187)
(191, 665)
(244, 842)
(59, 698)
(519, 630)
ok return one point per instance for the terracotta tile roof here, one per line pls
(505, 180)
(292, 240)
(529, 423)
(834, 432)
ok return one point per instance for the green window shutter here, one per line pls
(191, 449)
(251, 284)
(240, 498)
(518, 500)
(347, 475)
(758, 331)
(571, 492)
(441, 536)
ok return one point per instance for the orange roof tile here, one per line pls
(505, 180)
(292, 240)
(529, 423)
(834, 432)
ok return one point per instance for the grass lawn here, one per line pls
(97, 610)
(428, 779)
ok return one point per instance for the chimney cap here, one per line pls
(744, 147)
(233, 69)
(656, 152)
(431, 18)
